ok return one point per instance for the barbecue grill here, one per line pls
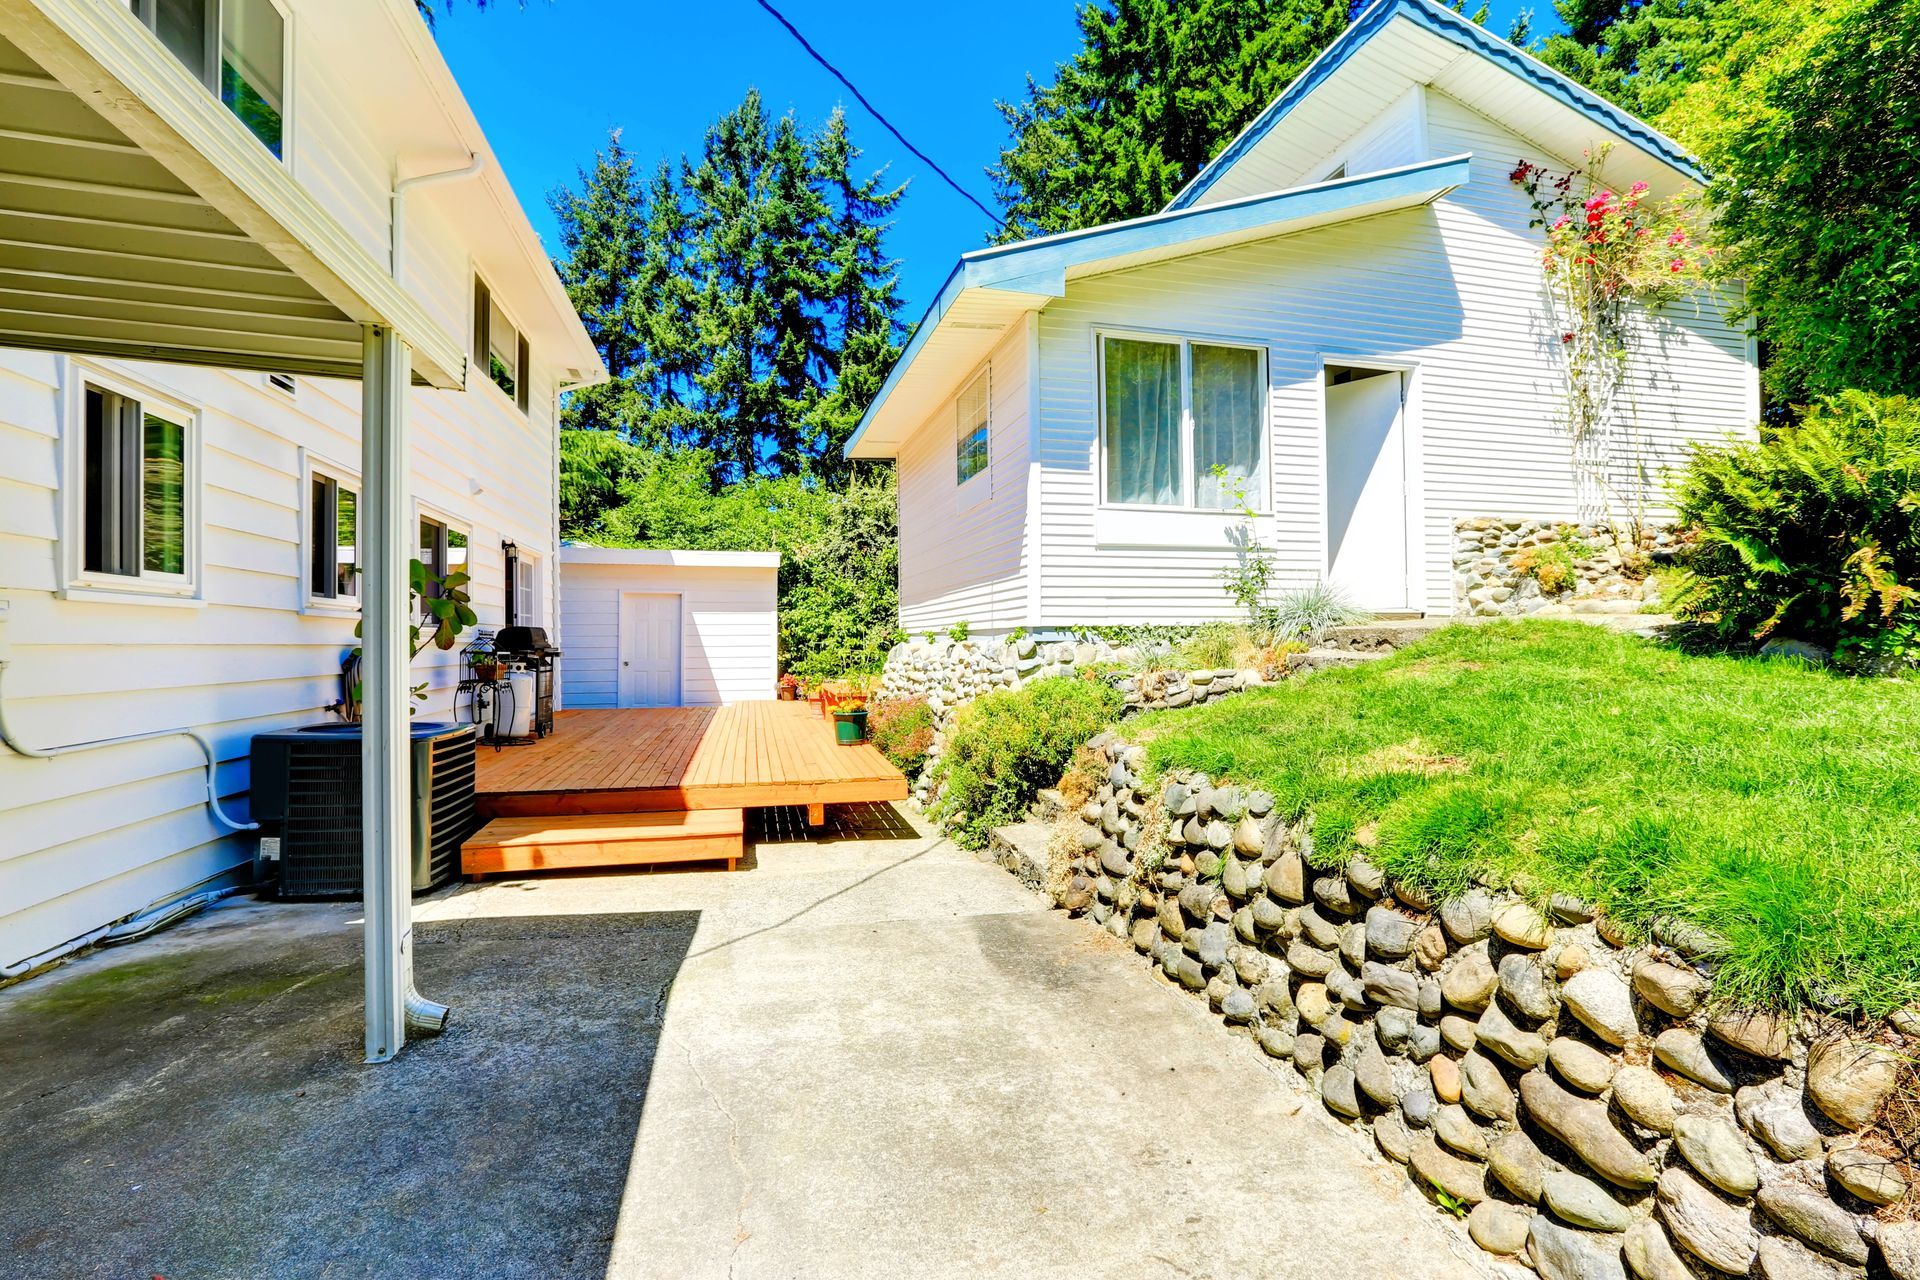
(528, 649)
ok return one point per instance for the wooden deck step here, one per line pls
(605, 840)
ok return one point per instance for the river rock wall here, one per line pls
(1487, 581)
(1572, 1094)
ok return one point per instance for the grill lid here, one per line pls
(531, 640)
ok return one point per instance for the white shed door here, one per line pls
(649, 650)
(1367, 492)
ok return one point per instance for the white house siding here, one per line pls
(1453, 287)
(88, 838)
(961, 551)
(729, 630)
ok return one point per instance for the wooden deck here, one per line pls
(746, 756)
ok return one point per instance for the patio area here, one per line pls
(877, 1056)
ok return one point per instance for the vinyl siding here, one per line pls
(962, 549)
(88, 838)
(729, 630)
(1453, 289)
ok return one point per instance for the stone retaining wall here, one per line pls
(1573, 1093)
(1487, 582)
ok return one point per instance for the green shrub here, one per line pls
(903, 730)
(1006, 746)
(1813, 532)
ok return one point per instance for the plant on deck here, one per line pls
(1812, 532)
(1007, 745)
(1773, 804)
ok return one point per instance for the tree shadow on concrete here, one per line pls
(196, 1107)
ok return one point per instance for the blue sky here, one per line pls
(549, 81)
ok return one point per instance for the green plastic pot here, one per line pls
(850, 727)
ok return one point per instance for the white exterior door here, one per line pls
(649, 650)
(1367, 492)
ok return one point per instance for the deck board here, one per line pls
(747, 755)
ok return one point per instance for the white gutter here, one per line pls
(475, 166)
(50, 753)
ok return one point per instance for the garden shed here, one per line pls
(665, 628)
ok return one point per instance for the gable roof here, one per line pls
(990, 289)
(1397, 44)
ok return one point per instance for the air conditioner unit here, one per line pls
(306, 798)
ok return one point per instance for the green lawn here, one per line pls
(1775, 804)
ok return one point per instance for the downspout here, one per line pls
(397, 219)
(50, 753)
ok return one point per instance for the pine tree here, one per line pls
(1158, 88)
(744, 302)
(1638, 53)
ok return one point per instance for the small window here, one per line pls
(443, 551)
(237, 48)
(1183, 423)
(333, 510)
(134, 489)
(973, 450)
(523, 587)
(498, 344)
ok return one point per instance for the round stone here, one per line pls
(1580, 1065)
(1687, 1053)
(1430, 948)
(1706, 1226)
(1337, 1091)
(1518, 1164)
(1584, 1203)
(1603, 1003)
(1762, 1034)
(1873, 1178)
(1389, 934)
(1718, 1153)
(1485, 1091)
(1468, 917)
(1671, 990)
(1393, 1137)
(1445, 1074)
(1778, 1117)
(1570, 960)
(1814, 1218)
(1518, 924)
(1650, 1255)
(1312, 1002)
(1458, 1033)
(1526, 985)
(1453, 1126)
(1499, 1228)
(1850, 1080)
(1471, 981)
(1644, 1098)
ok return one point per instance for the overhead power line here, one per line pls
(875, 112)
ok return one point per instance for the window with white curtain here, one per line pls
(1183, 423)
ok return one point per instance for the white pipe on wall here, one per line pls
(50, 753)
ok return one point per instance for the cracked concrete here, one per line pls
(883, 1058)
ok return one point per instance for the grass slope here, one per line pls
(1775, 804)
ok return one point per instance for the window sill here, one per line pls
(99, 593)
(325, 608)
(1184, 528)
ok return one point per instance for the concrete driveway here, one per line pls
(869, 1055)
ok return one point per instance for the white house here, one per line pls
(1344, 310)
(232, 230)
(661, 628)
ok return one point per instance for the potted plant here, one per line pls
(789, 687)
(490, 669)
(850, 722)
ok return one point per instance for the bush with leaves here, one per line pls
(903, 730)
(1006, 746)
(1812, 532)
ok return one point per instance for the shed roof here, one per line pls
(659, 557)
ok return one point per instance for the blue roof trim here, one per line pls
(1040, 266)
(1468, 35)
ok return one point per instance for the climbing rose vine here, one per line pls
(1611, 259)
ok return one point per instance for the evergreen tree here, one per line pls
(1158, 88)
(1638, 53)
(744, 304)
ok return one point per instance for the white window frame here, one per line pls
(78, 583)
(479, 363)
(524, 561)
(313, 467)
(211, 81)
(1189, 480)
(968, 489)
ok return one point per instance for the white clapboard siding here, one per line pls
(962, 548)
(1454, 288)
(729, 630)
(89, 838)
